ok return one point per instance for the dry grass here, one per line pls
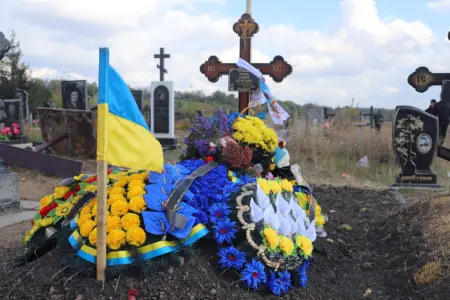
(428, 273)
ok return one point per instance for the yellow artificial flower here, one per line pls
(85, 210)
(94, 210)
(60, 191)
(90, 188)
(117, 191)
(116, 238)
(263, 185)
(305, 245)
(320, 220)
(113, 222)
(136, 183)
(78, 177)
(233, 179)
(137, 204)
(135, 191)
(92, 203)
(83, 218)
(286, 185)
(274, 186)
(93, 237)
(286, 245)
(47, 200)
(136, 236)
(138, 176)
(119, 208)
(116, 197)
(87, 227)
(272, 167)
(63, 209)
(318, 210)
(47, 221)
(302, 200)
(272, 238)
(130, 220)
(120, 183)
(75, 199)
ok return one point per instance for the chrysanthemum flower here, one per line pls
(86, 228)
(231, 258)
(274, 284)
(130, 220)
(119, 208)
(285, 281)
(116, 238)
(136, 236)
(63, 209)
(93, 237)
(137, 204)
(218, 211)
(254, 274)
(225, 230)
(113, 222)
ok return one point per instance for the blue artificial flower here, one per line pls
(254, 274)
(218, 211)
(274, 284)
(231, 258)
(302, 272)
(285, 281)
(224, 231)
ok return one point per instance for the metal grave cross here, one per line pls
(161, 57)
(245, 28)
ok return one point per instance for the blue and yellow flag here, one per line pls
(123, 137)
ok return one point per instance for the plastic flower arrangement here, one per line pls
(254, 132)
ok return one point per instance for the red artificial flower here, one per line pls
(68, 194)
(53, 205)
(45, 210)
(209, 159)
(77, 188)
(109, 171)
(92, 179)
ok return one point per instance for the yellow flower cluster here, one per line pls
(277, 242)
(305, 245)
(123, 224)
(253, 131)
(275, 186)
(304, 201)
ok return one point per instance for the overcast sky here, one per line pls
(338, 49)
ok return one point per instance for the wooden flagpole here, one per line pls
(249, 7)
(102, 165)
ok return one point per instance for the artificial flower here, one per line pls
(302, 200)
(318, 210)
(136, 236)
(85, 210)
(137, 204)
(117, 190)
(272, 238)
(320, 220)
(274, 186)
(94, 210)
(44, 211)
(83, 218)
(209, 159)
(286, 245)
(119, 208)
(274, 284)
(115, 197)
(136, 183)
(93, 237)
(264, 185)
(130, 220)
(305, 245)
(285, 281)
(60, 191)
(90, 188)
(91, 180)
(92, 203)
(303, 278)
(231, 258)
(116, 238)
(138, 176)
(45, 201)
(75, 199)
(218, 211)
(225, 230)
(78, 177)
(135, 191)
(113, 222)
(47, 221)
(87, 227)
(63, 209)
(121, 183)
(254, 274)
(286, 185)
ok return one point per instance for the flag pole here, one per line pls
(102, 165)
(249, 7)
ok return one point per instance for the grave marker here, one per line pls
(74, 94)
(315, 119)
(245, 28)
(415, 142)
(138, 96)
(23, 95)
(161, 68)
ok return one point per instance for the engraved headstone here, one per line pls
(415, 141)
(315, 120)
(163, 112)
(138, 96)
(74, 94)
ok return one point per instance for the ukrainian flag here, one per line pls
(123, 137)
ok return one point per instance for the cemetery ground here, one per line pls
(378, 246)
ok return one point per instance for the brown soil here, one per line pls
(383, 249)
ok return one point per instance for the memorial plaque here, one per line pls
(240, 80)
(161, 110)
(415, 141)
(12, 109)
(74, 94)
(138, 96)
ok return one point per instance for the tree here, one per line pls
(13, 72)
(39, 94)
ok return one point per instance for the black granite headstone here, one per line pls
(23, 95)
(161, 107)
(74, 94)
(415, 141)
(138, 96)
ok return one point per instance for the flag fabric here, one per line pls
(123, 137)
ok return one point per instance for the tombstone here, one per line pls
(23, 95)
(9, 189)
(163, 112)
(415, 143)
(315, 119)
(13, 110)
(138, 96)
(74, 94)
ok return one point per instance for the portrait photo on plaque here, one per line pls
(12, 110)
(74, 94)
(161, 109)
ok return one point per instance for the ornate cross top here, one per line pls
(245, 28)
(161, 57)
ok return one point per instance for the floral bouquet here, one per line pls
(10, 132)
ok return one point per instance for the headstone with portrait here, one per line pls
(74, 94)
(138, 96)
(163, 112)
(415, 142)
(14, 122)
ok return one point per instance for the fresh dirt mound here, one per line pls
(384, 247)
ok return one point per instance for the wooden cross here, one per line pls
(245, 28)
(161, 57)
(422, 78)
